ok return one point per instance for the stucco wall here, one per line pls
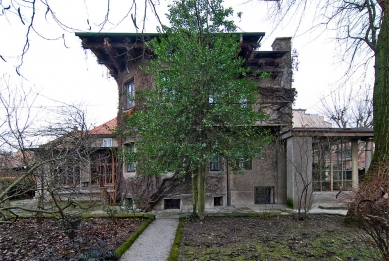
(299, 169)
(268, 170)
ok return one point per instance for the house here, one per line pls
(282, 171)
(103, 161)
(301, 119)
(12, 166)
(80, 164)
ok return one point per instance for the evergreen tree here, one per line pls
(202, 105)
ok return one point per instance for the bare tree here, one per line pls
(352, 109)
(300, 168)
(42, 158)
(362, 30)
(33, 15)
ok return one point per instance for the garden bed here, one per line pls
(96, 239)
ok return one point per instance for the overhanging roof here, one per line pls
(250, 37)
(329, 132)
(114, 50)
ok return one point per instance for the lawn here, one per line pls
(321, 237)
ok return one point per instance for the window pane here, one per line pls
(130, 94)
(132, 164)
(215, 165)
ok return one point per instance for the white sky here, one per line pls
(72, 76)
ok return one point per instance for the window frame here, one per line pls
(268, 197)
(216, 164)
(130, 93)
(106, 143)
(68, 175)
(131, 167)
(171, 203)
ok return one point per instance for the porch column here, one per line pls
(368, 153)
(354, 163)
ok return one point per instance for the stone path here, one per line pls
(155, 243)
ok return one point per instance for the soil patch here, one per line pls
(321, 237)
(96, 239)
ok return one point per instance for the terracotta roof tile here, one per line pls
(105, 128)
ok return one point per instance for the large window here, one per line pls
(332, 165)
(130, 89)
(103, 167)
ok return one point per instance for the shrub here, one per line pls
(289, 203)
(370, 208)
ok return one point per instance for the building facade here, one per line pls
(270, 178)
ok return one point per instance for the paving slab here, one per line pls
(155, 243)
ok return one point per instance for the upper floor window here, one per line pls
(130, 90)
(107, 142)
(216, 164)
(245, 164)
(131, 164)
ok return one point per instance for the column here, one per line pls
(368, 153)
(354, 163)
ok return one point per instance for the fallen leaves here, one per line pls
(28, 239)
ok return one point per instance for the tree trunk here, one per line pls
(194, 194)
(381, 91)
(201, 191)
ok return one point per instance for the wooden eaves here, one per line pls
(114, 50)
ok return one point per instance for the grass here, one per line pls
(128, 243)
(297, 240)
(177, 241)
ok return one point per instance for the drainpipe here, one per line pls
(228, 185)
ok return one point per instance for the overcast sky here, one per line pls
(71, 75)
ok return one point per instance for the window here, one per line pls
(107, 142)
(103, 168)
(172, 203)
(218, 201)
(212, 99)
(331, 165)
(244, 103)
(69, 175)
(216, 164)
(131, 164)
(130, 89)
(245, 164)
(167, 94)
(264, 195)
